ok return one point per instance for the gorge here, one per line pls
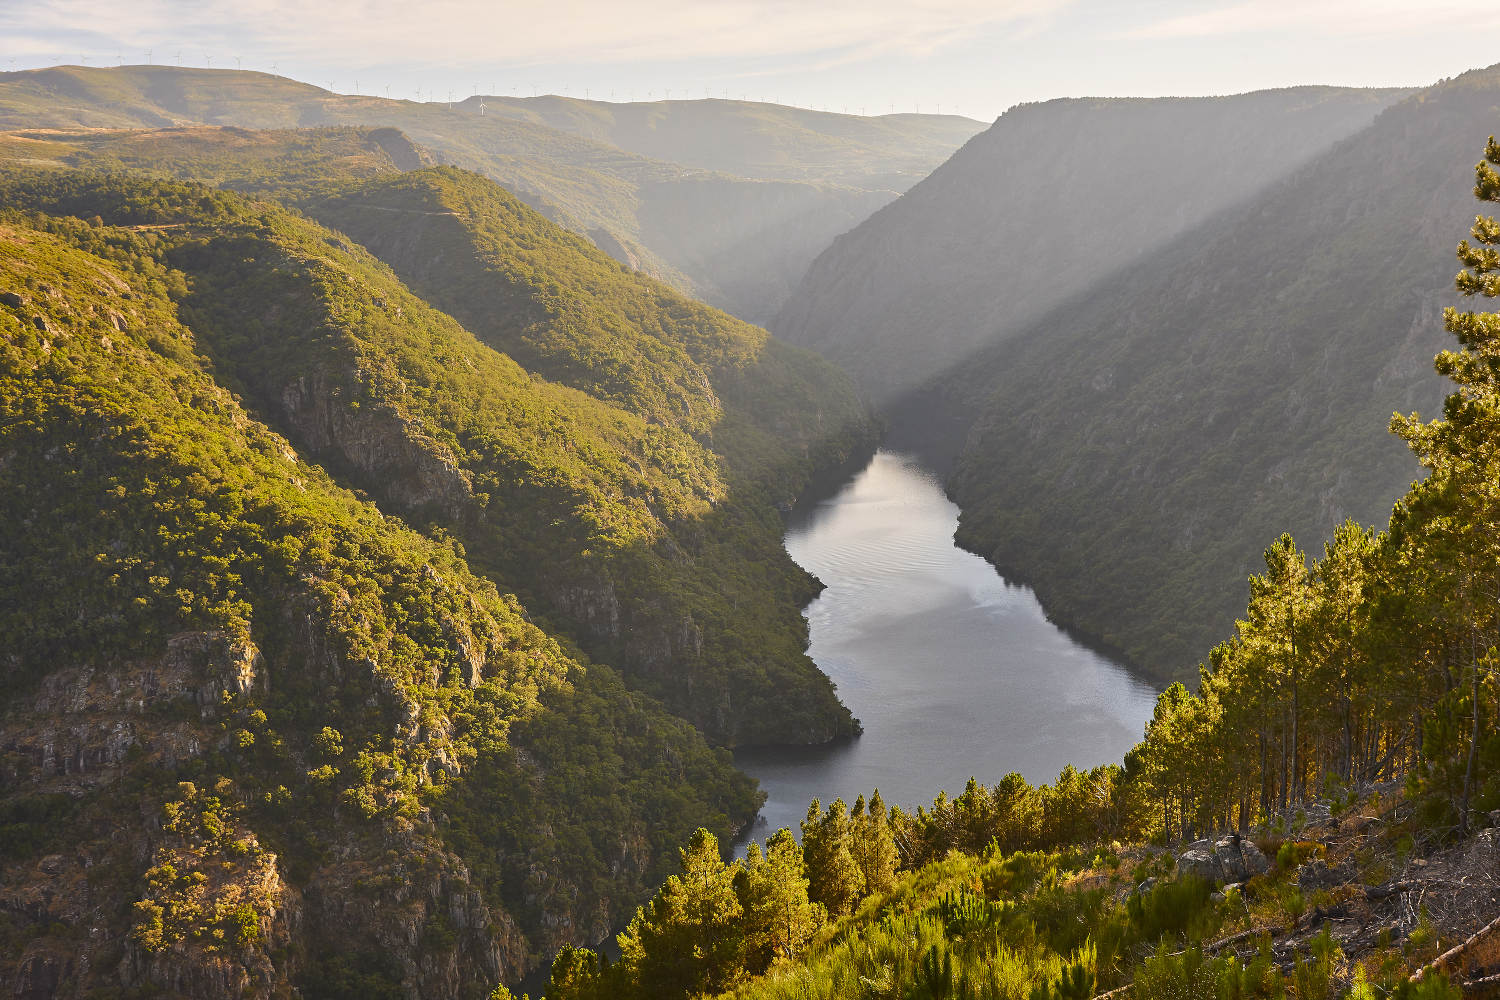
(953, 671)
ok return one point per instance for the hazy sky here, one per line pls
(976, 57)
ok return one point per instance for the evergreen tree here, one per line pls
(772, 889)
(1455, 513)
(687, 939)
(834, 878)
(874, 845)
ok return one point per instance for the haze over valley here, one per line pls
(468, 541)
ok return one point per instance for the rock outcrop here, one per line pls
(1232, 859)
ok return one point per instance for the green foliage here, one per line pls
(1169, 908)
(152, 520)
(629, 534)
(963, 913)
(1282, 333)
(739, 241)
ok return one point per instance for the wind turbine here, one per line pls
(236, 62)
(209, 59)
(179, 57)
(148, 57)
(481, 107)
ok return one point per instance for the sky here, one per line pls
(970, 57)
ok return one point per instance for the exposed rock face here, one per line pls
(82, 729)
(415, 470)
(73, 735)
(1232, 859)
(77, 727)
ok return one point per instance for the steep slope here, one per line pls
(1050, 200)
(660, 554)
(738, 243)
(751, 139)
(1138, 447)
(255, 734)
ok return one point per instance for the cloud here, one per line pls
(1320, 17)
(476, 33)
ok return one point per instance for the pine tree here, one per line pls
(874, 845)
(688, 939)
(1455, 513)
(772, 889)
(835, 880)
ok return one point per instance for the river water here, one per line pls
(953, 671)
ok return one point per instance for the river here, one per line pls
(953, 671)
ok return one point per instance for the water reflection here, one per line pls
(953, 671)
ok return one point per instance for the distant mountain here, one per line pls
(1043, 205)
(1136, 449)
(765, 141)
(740, 243)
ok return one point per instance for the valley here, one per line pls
(696, 549)
(953, 672)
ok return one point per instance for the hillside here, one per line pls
(740, 243)
(633, 536)
(256, 734)
(1046, 203)
(1317, 820)
(1234, 385)
(750, 139)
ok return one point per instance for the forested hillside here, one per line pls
(1044, 204)
(738, 242)
(1233, 386)
(256, 733)
(245, 463)
(653, 538)
(1341, 753)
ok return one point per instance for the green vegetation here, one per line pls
(740, 241)
(1231, 387)
(355, 711)
(1018, 222)
(657, 552)
(1374, 662)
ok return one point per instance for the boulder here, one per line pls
(1201, 863)
(1232, 859)
(1241, 859)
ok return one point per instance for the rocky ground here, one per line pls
(1391, 893)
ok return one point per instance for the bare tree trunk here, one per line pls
(1463, 808)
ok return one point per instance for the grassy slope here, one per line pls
(1232, 387)
(743, 249)
(1043, 205)
(141, 501)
